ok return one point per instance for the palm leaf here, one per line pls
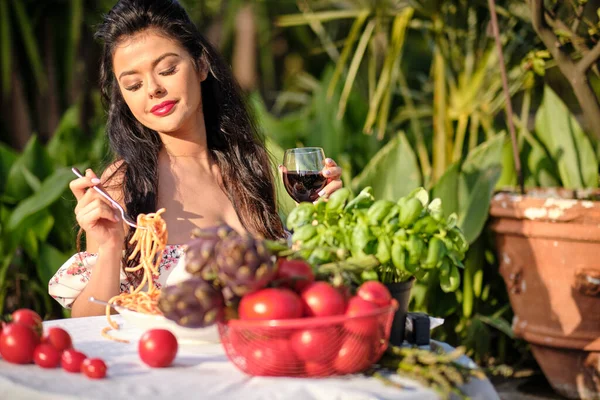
(31, 47)
(354, 65)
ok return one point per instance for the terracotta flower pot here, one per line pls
(549, 254)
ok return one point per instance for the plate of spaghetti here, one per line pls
(139, 307)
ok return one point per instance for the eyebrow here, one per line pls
(154, 64)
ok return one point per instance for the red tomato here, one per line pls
(270, 303)
(315, 344)
(366, 326)
(158, 348)
(94, 368)
(17, 343)
(28, 318)
(294, 274)
(318, 369)
(321, 300)
(58, 338)
(71, 360)
(375, 292)
(354, 356)
(46, 356)
(272, 358)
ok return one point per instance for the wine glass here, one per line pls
(302, 173)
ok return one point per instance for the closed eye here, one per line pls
(170, 71)
(133, 88)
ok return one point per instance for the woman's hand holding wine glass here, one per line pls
(308, 175)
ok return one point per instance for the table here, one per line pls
(201, 371)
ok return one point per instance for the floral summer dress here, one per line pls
(72, 277)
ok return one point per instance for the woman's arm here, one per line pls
(105, 279)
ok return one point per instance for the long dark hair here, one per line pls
(233, 140)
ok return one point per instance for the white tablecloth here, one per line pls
(199, 372)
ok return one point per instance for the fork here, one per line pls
(127, 220)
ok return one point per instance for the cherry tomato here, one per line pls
(375, 292)
(270, 303)
(294, 274)
(94, 368)
(28, 318)
(354, 356)
(315, 344)
(318, 369)
(58, 338)
(46, 356)
(321, 300)
(272, 358)
(17, 343)
(365, 326)
(71, 360)
(158, 348)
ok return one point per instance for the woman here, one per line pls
(183, 141)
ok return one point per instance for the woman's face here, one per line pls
(158, 81)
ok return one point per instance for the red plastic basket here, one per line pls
(308, 347)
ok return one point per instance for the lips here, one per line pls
(163, 108)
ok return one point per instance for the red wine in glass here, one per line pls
(302, 175)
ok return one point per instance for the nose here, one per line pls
(155, 89)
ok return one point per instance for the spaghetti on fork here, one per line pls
(150, 240)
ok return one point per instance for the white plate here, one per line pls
(144, 322)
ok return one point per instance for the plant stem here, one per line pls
(509, 111)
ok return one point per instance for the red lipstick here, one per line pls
(163, 108)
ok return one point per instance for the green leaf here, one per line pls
(349, 43)
(324, 16)
(485, 155)
(52, 188)
(566, 142)
(446, 189)
(36, 160)
(509, 174)
(29, 242)
(28, 37)
(354, 65)
(50, 260)
(68, 143)
(32, 180)
(76, 22)
(43, 226)
(473, 263)
(541, 168)
(7, 158)
(475, 193)
(499, 323)
(393, 172)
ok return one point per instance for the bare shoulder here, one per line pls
(112, 180)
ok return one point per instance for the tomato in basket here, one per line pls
(318, 369)
(272, 358)
(363, 326)
(321, 300)
(271, 303)
(375, 292)
(355, 355)
(316, 344)
(294, 274)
